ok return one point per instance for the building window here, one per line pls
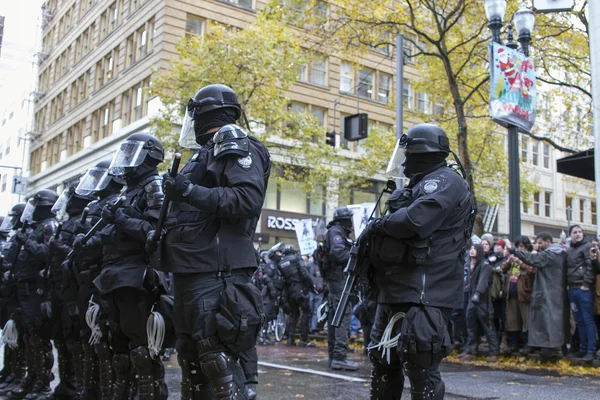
(7, 149)
(581, 210)
(569, 207)
(383, 91)
(365, 83)
(524, 144)
(292, 198)
(593, 209)
(319, 114)
(242, 3)
(423, 102)
(546, 155)
(547, 204)
(408, 95)
(194, 25)
(4, 180)
(346, 78)
(535, 146)
(536, 203)
(318, 72)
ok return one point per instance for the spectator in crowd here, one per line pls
(489, 238)
(580, 286)
(495, 260)
(315, 299)
(487, 247)
(480, 310)
(548, 316)
(517, 287)
(596, 266)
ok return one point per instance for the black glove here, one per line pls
(108, 214)
(78, 242)
(29, 245)
(151, 244)
(21, 237)
(176, 187)
(475, 298)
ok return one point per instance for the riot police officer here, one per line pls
(126, 278)
(297, 284)
(14, 354)
(337, 244)
(97, 372)
(417, 251)
(33, 257)
(217, 200)
(264, 283)
(64, 321)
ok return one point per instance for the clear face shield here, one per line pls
(395, 166)
(131, 154)
(27, 215)
(94, 180)
(60, 207)
(187, 136)
(7, 224)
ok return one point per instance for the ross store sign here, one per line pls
(283, 224)
(286, 224)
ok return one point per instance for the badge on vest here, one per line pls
(245, 162)
(430, 186)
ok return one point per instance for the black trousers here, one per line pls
(337, 338)
(421, 369)
(128, 312)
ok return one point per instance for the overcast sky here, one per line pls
(22, 32)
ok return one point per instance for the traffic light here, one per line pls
(330, 139)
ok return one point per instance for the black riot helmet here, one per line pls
(39, 206)
(289, 249)
(213, 106)
(13, 219)
(274, 254)
(425, 138)
(70, 203)
(97, 181)
(137, 156)
(421, 148)
(342, 214)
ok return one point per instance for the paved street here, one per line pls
(278, 380)
(299, 373)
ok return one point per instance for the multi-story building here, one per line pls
(98, 58)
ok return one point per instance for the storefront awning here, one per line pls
(580, 165)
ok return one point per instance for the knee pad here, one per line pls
(419, 380)
(141, 361)
(216, 365)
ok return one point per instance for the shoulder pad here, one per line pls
(231, 139)
(154, 192)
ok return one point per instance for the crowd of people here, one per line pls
(526, 298)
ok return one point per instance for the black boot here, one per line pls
(27, 383)
(19, 367)
(44, 360)
(142, 364)
(161, 391)
(89, 373)
(104, 355)
(6, 370)
(67, 387)
(123, 376)
(386, 383)
(186, 378)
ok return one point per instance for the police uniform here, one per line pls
(337, 246)
(65, 319)
(33, 257)
(297, 285)
(209, 237)
(417, 251)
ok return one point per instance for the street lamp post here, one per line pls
(524, 20)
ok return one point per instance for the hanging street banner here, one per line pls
(512, 88)
(306, 236)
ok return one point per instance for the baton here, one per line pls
(164, 210)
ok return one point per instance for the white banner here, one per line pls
(306, 236)
(360, 216)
